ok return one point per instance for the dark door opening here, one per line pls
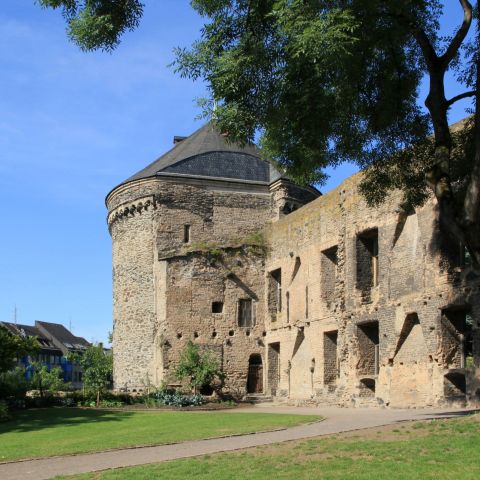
(255, 374)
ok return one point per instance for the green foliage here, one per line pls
(198, 368)
(13, 347)
(4, 411)
(177, 399)
(97, 24)
(46, 380)
(405, 170)
(97, 369)
(323, 81)
(13, 384)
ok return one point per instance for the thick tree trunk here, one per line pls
(462, 222)
(471, 206)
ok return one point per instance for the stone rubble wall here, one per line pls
(414, 277)
(164, 289)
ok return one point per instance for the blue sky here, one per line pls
(72, 126)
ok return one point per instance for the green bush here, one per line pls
(199, 369)
(4, 411)
(45, 380)
(13, 384)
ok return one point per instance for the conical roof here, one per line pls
(207, 153)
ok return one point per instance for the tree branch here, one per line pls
(460, 97)
(429, 54)
(452, 49)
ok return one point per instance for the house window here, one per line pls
(217, 307)
(186, 233)
(245, 313)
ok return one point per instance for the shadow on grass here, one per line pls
(37, 419)
(454, 413)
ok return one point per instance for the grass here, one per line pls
(444, 449)
(61, 431)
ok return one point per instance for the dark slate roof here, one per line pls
(64, 336)
(31, 331)
(207, 153)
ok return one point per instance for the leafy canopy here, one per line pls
(97, 365)
(44, 379)
(323, 81)
(96, 24)
(13, 347)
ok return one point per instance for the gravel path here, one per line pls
(337, 420)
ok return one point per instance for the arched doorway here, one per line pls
(255, 374)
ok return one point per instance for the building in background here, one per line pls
(56, 344)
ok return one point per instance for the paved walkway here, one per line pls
(337, 420)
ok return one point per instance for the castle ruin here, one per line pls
(300, 296)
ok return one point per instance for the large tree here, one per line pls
(328, 81)
(14, 347)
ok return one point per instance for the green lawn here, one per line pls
(445, 449)
(60, 431)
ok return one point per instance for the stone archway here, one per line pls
(255, 374)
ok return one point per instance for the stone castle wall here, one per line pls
(351, 305)
(165, 284)
(389, 332)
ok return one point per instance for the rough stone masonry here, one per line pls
(299, 296)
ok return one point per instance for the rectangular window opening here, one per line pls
(457, 338)
(217, 307)
(275, 292)
(367, 262)
(245, 313)
(330, 359)
(368, 348)
(328, 265)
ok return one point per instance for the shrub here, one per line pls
(13, 384)
(45, 380)
(178, 400)
(4, 412)
(198, 368)
(97, 367)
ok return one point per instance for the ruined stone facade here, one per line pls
(300, 296)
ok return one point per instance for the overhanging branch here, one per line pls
(461, 97)
(459, 37)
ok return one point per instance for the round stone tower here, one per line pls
(188, 258)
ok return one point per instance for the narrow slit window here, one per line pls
(186, 233)
(306, 302)
(288, 306)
